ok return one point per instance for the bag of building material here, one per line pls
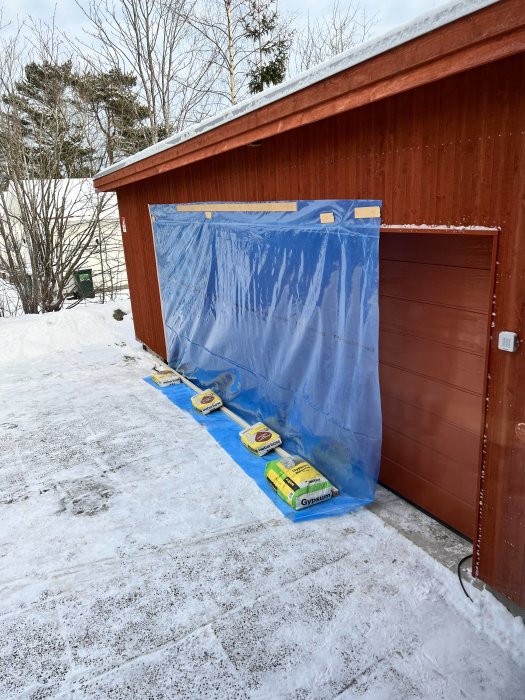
(165, 377)
(260, 439)
(298, 482)
(206, 402)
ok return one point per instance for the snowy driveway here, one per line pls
(138, 561)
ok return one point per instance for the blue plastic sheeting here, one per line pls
(278, 313)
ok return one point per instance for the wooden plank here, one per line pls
(460, 369)
(441, 504)
(460, 287)
(488, 117)
(240, 206)
(433, 396)
(309, 115)
(428, 247)
(451, 441)
(421, 461)
(458, 328)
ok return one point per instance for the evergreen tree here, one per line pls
(70, 124)
(272, 41)
(42, 106)
(119, 117)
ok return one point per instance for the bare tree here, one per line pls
(49, 223)
(248, 43)
(110, 278)
(9, 300)
(221, 25)
(323, 38)
(155, 41)
(48, 230)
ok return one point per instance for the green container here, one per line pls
(84, 284)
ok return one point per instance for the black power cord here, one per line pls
(469, 556)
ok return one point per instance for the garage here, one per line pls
(430, 122)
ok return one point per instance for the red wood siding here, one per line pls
(141, 268)
(449, 153)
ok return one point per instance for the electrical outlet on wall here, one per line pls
(508, 341)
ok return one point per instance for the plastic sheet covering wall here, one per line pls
(278, 313)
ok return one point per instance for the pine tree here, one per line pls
(118, 115)
(71, 124)
(43, 104)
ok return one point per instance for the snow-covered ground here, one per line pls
(138, 561)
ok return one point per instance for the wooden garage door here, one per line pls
(435, 292)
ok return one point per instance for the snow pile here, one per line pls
(128, 572)
(28, 337)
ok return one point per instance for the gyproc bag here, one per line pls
(298, 482)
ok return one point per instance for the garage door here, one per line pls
(435, 293)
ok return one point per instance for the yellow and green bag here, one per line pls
(297, 482)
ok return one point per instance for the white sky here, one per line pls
(390, 13)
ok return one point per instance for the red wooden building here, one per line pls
(431, 120)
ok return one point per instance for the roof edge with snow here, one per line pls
(422, 25)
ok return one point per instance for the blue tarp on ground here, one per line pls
(278, 313)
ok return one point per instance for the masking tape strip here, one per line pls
(327, 217)
(367, 212)
(240, 206)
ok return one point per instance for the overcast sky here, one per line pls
(390, 13)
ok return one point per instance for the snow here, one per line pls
(423, 24)
(32, 337)
(439, 227)
(138, 561)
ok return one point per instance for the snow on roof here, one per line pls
(421, 25)
(75, 196)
